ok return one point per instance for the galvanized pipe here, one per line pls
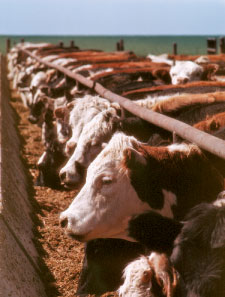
(206, 141)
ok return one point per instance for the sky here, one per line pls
(112, 17)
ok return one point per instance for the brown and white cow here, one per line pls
(95, 134)
(128, 178)
(212, 124)
(186, 71)
(83, 110)
(151, 276)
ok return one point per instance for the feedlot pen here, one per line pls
(48, 263)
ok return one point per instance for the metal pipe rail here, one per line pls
(206, 141)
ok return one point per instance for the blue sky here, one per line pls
(112, 17)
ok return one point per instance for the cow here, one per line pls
(151, 276)
(83, 110)
(197, 254)
(199, 250)
(129, 178)
(173, 103)
(152, 178)
(195, 87)
(93, 137)
(191, 108)
(186, 71)
(212, 124)
(161, 59)
(49, 165)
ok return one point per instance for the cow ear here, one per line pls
(166, 275)
(163, 74)
(133, 158)
(209, 71)
(214, 125)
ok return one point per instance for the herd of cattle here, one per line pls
(151, 209)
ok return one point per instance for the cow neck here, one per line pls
(189, 176)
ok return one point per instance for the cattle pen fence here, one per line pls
(205, 141)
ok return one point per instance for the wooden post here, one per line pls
(121, 45)
(118, 46)
(211, 46)
(72, 43)
(61, 44)
(8, 44)
(222, 45)
(175, 48)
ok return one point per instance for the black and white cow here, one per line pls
(197, 256)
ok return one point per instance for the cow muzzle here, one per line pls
(65, 224)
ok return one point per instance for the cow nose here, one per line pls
(64, 222)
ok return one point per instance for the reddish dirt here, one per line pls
(60, 257)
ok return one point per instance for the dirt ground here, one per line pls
(60, 257)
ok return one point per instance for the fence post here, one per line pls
(211, 46)
(61, 44)
(8, 45)
(72, 43)
(118, 46)
(222, 45)
(121, 45)
(175, 48)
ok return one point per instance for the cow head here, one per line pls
(91, 141)
(129, 178)
(185, 71)
(62, 122)
(108, 200)
(150, 276)
(38, 109)
(48, 165)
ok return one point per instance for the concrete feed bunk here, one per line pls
(19, 271)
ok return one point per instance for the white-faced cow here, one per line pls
(187, 71)
(83, 111)
(128, 178)
(151, 276)
(92, 139)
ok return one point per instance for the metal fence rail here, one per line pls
(206, 141)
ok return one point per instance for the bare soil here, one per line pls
(61, 258)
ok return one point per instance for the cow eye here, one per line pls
(106, 180)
